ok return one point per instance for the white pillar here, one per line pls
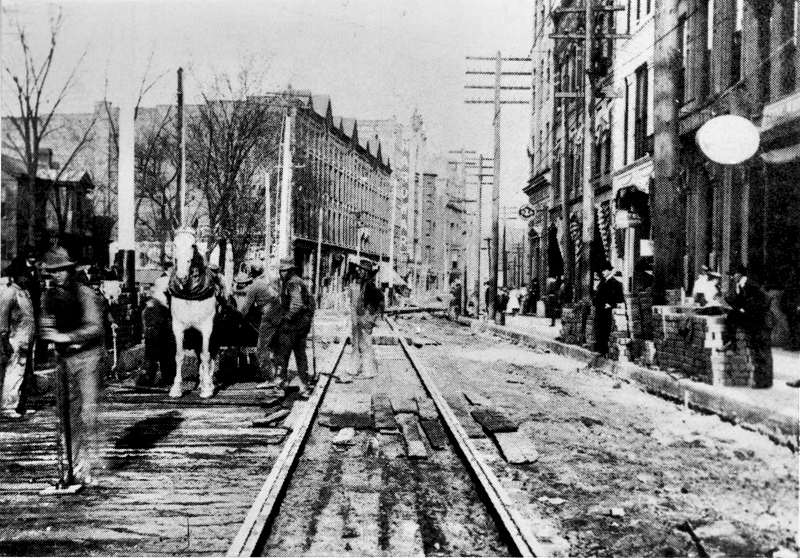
(125, 182)
(284, 238)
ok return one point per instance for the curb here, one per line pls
(779, 427)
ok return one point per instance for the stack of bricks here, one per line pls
(572, 324)
(691, 344)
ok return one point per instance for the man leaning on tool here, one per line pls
(263, 295)
(297, 315)
(72, 318)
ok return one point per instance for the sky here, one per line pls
(375, 58)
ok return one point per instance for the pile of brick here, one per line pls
(691, 344)
(572, 327)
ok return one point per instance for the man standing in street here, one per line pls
(366, 307)
(750, 308)
(159, 340)
(72, 319)
(297, 309)
(17, 327)
(608, 295)
(262, 301)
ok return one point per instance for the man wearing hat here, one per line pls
(606, 298)
(17, 327)
(297, 308)
(71, 317)
(159, 340)
(366, 307)
(262, 305)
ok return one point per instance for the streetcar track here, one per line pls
(403, 483)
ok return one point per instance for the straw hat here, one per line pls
(57, 259)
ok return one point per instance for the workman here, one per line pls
(72, 318)
(17, 328)
(366, 307)
(262, 305)
(297, 317)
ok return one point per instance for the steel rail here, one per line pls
(253, 532)
(510, 520)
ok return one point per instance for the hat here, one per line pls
(286, 264)
(367, 264)
(57, 259)
(242, 278)
(705, 269)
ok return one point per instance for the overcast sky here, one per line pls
(375, 58)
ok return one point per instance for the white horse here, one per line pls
(189, 311)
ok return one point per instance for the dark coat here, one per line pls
(609, 292)
(751, 306)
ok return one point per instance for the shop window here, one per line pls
(640, 147)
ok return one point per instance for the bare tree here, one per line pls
(231, 138)
(33, 120)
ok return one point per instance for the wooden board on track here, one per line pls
(427, 408)
(475, 398)
(493, 420)
(404, 404)
(459, 408)
(409, 426)
(436, 434)
(383, 413)
(347, 410)
(516, 447)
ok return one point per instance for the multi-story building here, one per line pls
(735, 57)
(632, 137)
(557, 179)
(545, 258)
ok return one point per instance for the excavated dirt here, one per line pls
(620, 472)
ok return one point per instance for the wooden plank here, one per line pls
(350, 410)
(459, 409)
(404, 404)
(383, 413)
(475, 398)
(493, 420)
(271, 418)
(409, 426)
(427, 408)
(516, 447)
(511, 522)
(436, 435)
(391, 445)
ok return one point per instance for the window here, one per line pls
(640, 148)
(680, 83)
(626, 124)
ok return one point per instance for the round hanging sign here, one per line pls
(526, 211)
(728, 139)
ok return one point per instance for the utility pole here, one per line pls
(267, 219)
(391, 238)
(181, 209)
(589, 96)
(498, 87)
(284, 236)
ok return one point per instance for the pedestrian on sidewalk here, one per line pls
(750, 312)
(72, 319)
(262, 307)
(608, 295)
(366, 308)
(501, 303)
(297, 314)
(17, 328)
(553, 307)
(513, 302)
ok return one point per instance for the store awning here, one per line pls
(780, 143)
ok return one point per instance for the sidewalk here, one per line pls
(773, 411)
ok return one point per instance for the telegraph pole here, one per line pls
(589, 96)
(498, 87)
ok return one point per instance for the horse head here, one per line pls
(184, 251)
